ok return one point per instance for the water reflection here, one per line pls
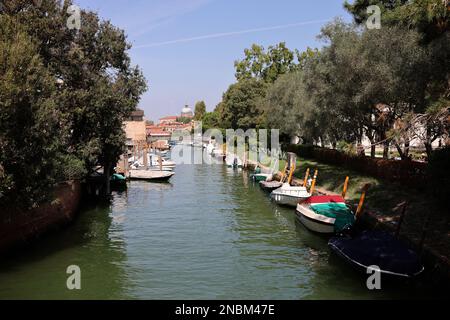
(94, 242)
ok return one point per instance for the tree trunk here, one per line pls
(107, 173)
(386, 150)
(429, 149)
(400, 151)
(371, 136)
(406, 149)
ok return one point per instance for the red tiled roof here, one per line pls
(169, 118)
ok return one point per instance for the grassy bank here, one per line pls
(382, 199)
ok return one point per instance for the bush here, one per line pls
(346, 147)
(70, 168)
(410, 173)
(439, 175)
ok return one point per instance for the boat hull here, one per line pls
(261, 177)
(314, 225)
(286, 200)
(270, 185)
(148, 175)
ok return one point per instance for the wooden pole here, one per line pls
(305, 181)
(313, 184)
(344, 191)
(145, 158)
(291, 173)
(283, 174)
(361, 202)
(400, 221)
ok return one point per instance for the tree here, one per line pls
(31, 131)
(265, 65)
(200, 110)
(210, 120)
(430, 17)
(97, 87)
(241, 105)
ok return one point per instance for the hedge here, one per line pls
(411, 173)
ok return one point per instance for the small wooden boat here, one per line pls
(260, 176)
(270, 186)
(328, 214)
(118, 181)
(381, 249)
(291, 195)
(150, 175)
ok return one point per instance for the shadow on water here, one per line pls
(92, 242)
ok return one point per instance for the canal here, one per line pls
(209, 234)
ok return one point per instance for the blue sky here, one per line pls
(186, 48)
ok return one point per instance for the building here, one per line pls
(168, 120)
(135, 130)
(137, 115)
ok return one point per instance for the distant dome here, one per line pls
(186, 109)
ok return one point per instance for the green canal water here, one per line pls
(209, 234)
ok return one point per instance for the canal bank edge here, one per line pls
(18, 228)
(437, 264)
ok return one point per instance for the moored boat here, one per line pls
(150, 175)
(273, 185)
(260, 176)
(378, 249)
(328, 214)
(118, 181)
(291, 195)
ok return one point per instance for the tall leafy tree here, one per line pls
(97, 87)
(241, 104)
(265, 65)
(31, 131)
(200, 110)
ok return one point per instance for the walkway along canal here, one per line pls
(209, 234)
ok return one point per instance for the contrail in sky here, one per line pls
(228, 34)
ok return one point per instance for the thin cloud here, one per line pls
(228, 34)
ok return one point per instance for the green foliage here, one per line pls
(430, 17)
(200, 110)
(30, 131)
(241, 105)
(439, 175)
(265, 65)
(184, 120)
(210, 120)
(64, 97)
(345, 147)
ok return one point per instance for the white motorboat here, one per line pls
(291, 195)
(154, 161)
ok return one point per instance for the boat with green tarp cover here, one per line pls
(325, 214)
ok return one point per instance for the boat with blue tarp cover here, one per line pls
(380, 249)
